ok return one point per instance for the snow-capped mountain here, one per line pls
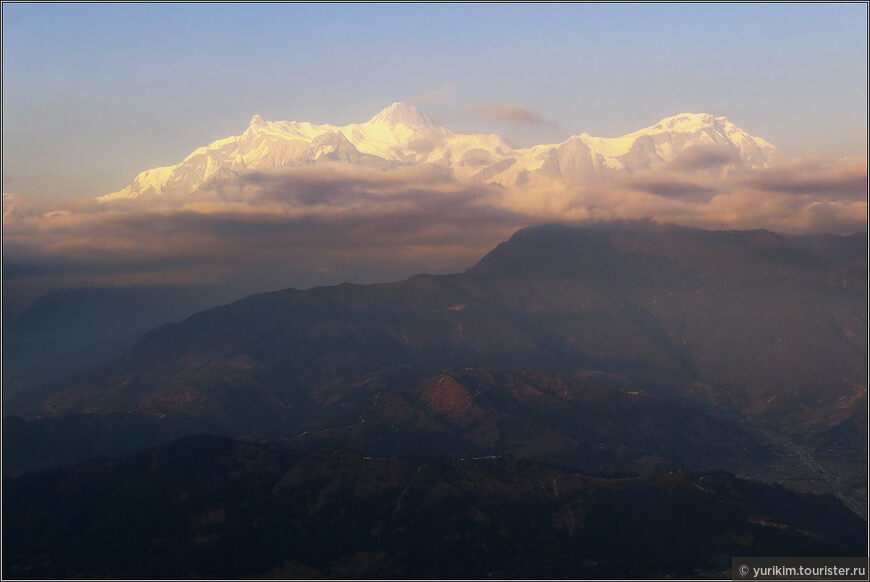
(402, 135)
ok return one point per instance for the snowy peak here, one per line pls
(403, 135)
(686, 123)
(667, 140)
(407, 115)
(332, 145)
(695, 123)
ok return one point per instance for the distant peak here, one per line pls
(399, 113)
(687, 122)
(257, 120)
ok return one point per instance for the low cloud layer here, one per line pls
(326, 224)
(806, 195)
(298, 228)
(704, 157)
(814, 176)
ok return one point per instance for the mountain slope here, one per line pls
(592, 425)
(742, 321)
(402, 135)
(206, 507)
(740, 345)
(584, 425)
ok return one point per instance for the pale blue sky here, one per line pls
(95, 93)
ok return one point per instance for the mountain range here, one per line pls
(698, 328)
(658, 303)
(579, 389)
(401, 135)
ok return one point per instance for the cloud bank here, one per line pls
(330, 223)
(301, 227)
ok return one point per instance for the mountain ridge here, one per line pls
(403, 135)
(634, 298)
(624, 326)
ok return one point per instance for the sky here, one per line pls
(93, 94)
